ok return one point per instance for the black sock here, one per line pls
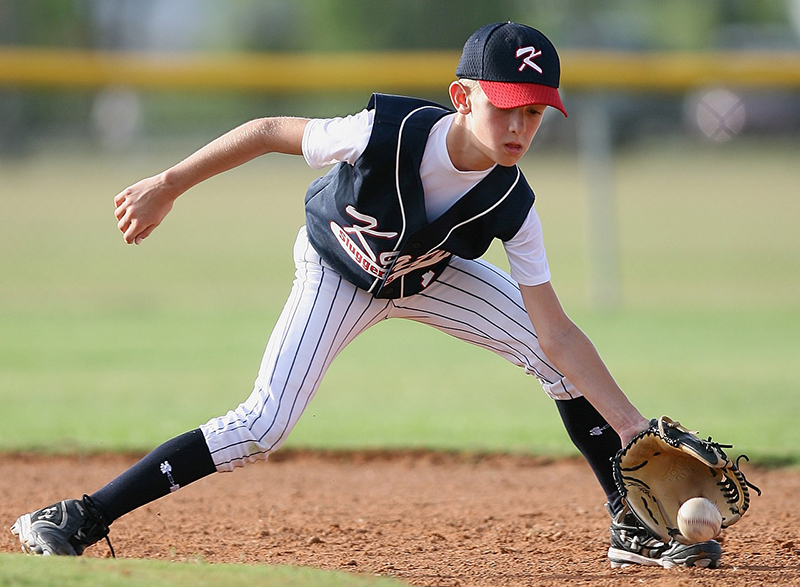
(167, 468)
(596, 440)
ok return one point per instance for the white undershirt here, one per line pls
(332, 140)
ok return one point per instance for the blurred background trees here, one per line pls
(211, 26)
(363, 25)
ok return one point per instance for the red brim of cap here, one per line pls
(514, 95)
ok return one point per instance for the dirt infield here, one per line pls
(427, 519)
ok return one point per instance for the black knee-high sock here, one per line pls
(167, 468)
(596, 440)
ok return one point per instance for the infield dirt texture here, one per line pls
(429, 519)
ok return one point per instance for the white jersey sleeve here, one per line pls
(527, 258)
(334, 140)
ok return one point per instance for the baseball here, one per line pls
(699, 519)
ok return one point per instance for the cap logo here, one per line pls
(529, 54)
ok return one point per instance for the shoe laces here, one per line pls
(634, 535)
(98, 529)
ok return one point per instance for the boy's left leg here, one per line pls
(596, 441)
(481, 304)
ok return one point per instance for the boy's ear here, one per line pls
(459, 96)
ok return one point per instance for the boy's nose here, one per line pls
(517, 123)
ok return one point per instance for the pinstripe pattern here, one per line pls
(472, 300)
(480, 304)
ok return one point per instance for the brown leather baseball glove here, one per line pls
(666, 465)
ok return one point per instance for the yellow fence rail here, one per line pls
(388, 71)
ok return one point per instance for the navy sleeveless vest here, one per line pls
(368, 220)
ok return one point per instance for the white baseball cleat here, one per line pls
(632, 544)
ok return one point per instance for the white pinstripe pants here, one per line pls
(471, 300)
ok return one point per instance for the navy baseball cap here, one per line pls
(515, 65)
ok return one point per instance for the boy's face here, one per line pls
(502, 135)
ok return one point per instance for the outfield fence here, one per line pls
(397, 71)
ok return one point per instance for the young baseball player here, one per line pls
(395, 229)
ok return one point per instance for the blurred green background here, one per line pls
(110, 347)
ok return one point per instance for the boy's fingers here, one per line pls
(144, 234)
(124, 220)
(121, 197)
(131, 233)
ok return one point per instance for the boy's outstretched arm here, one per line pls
(576, 357)
(141, 207)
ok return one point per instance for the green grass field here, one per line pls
(21, 571)
(111, 347)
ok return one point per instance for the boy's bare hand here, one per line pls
(141, 207)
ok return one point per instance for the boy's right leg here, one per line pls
(69, 526)
(323, 314)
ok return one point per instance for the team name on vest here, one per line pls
(363, 255)
(351, 248)
(376, 264)
(406, 264)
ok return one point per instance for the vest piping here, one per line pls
(468, 220)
